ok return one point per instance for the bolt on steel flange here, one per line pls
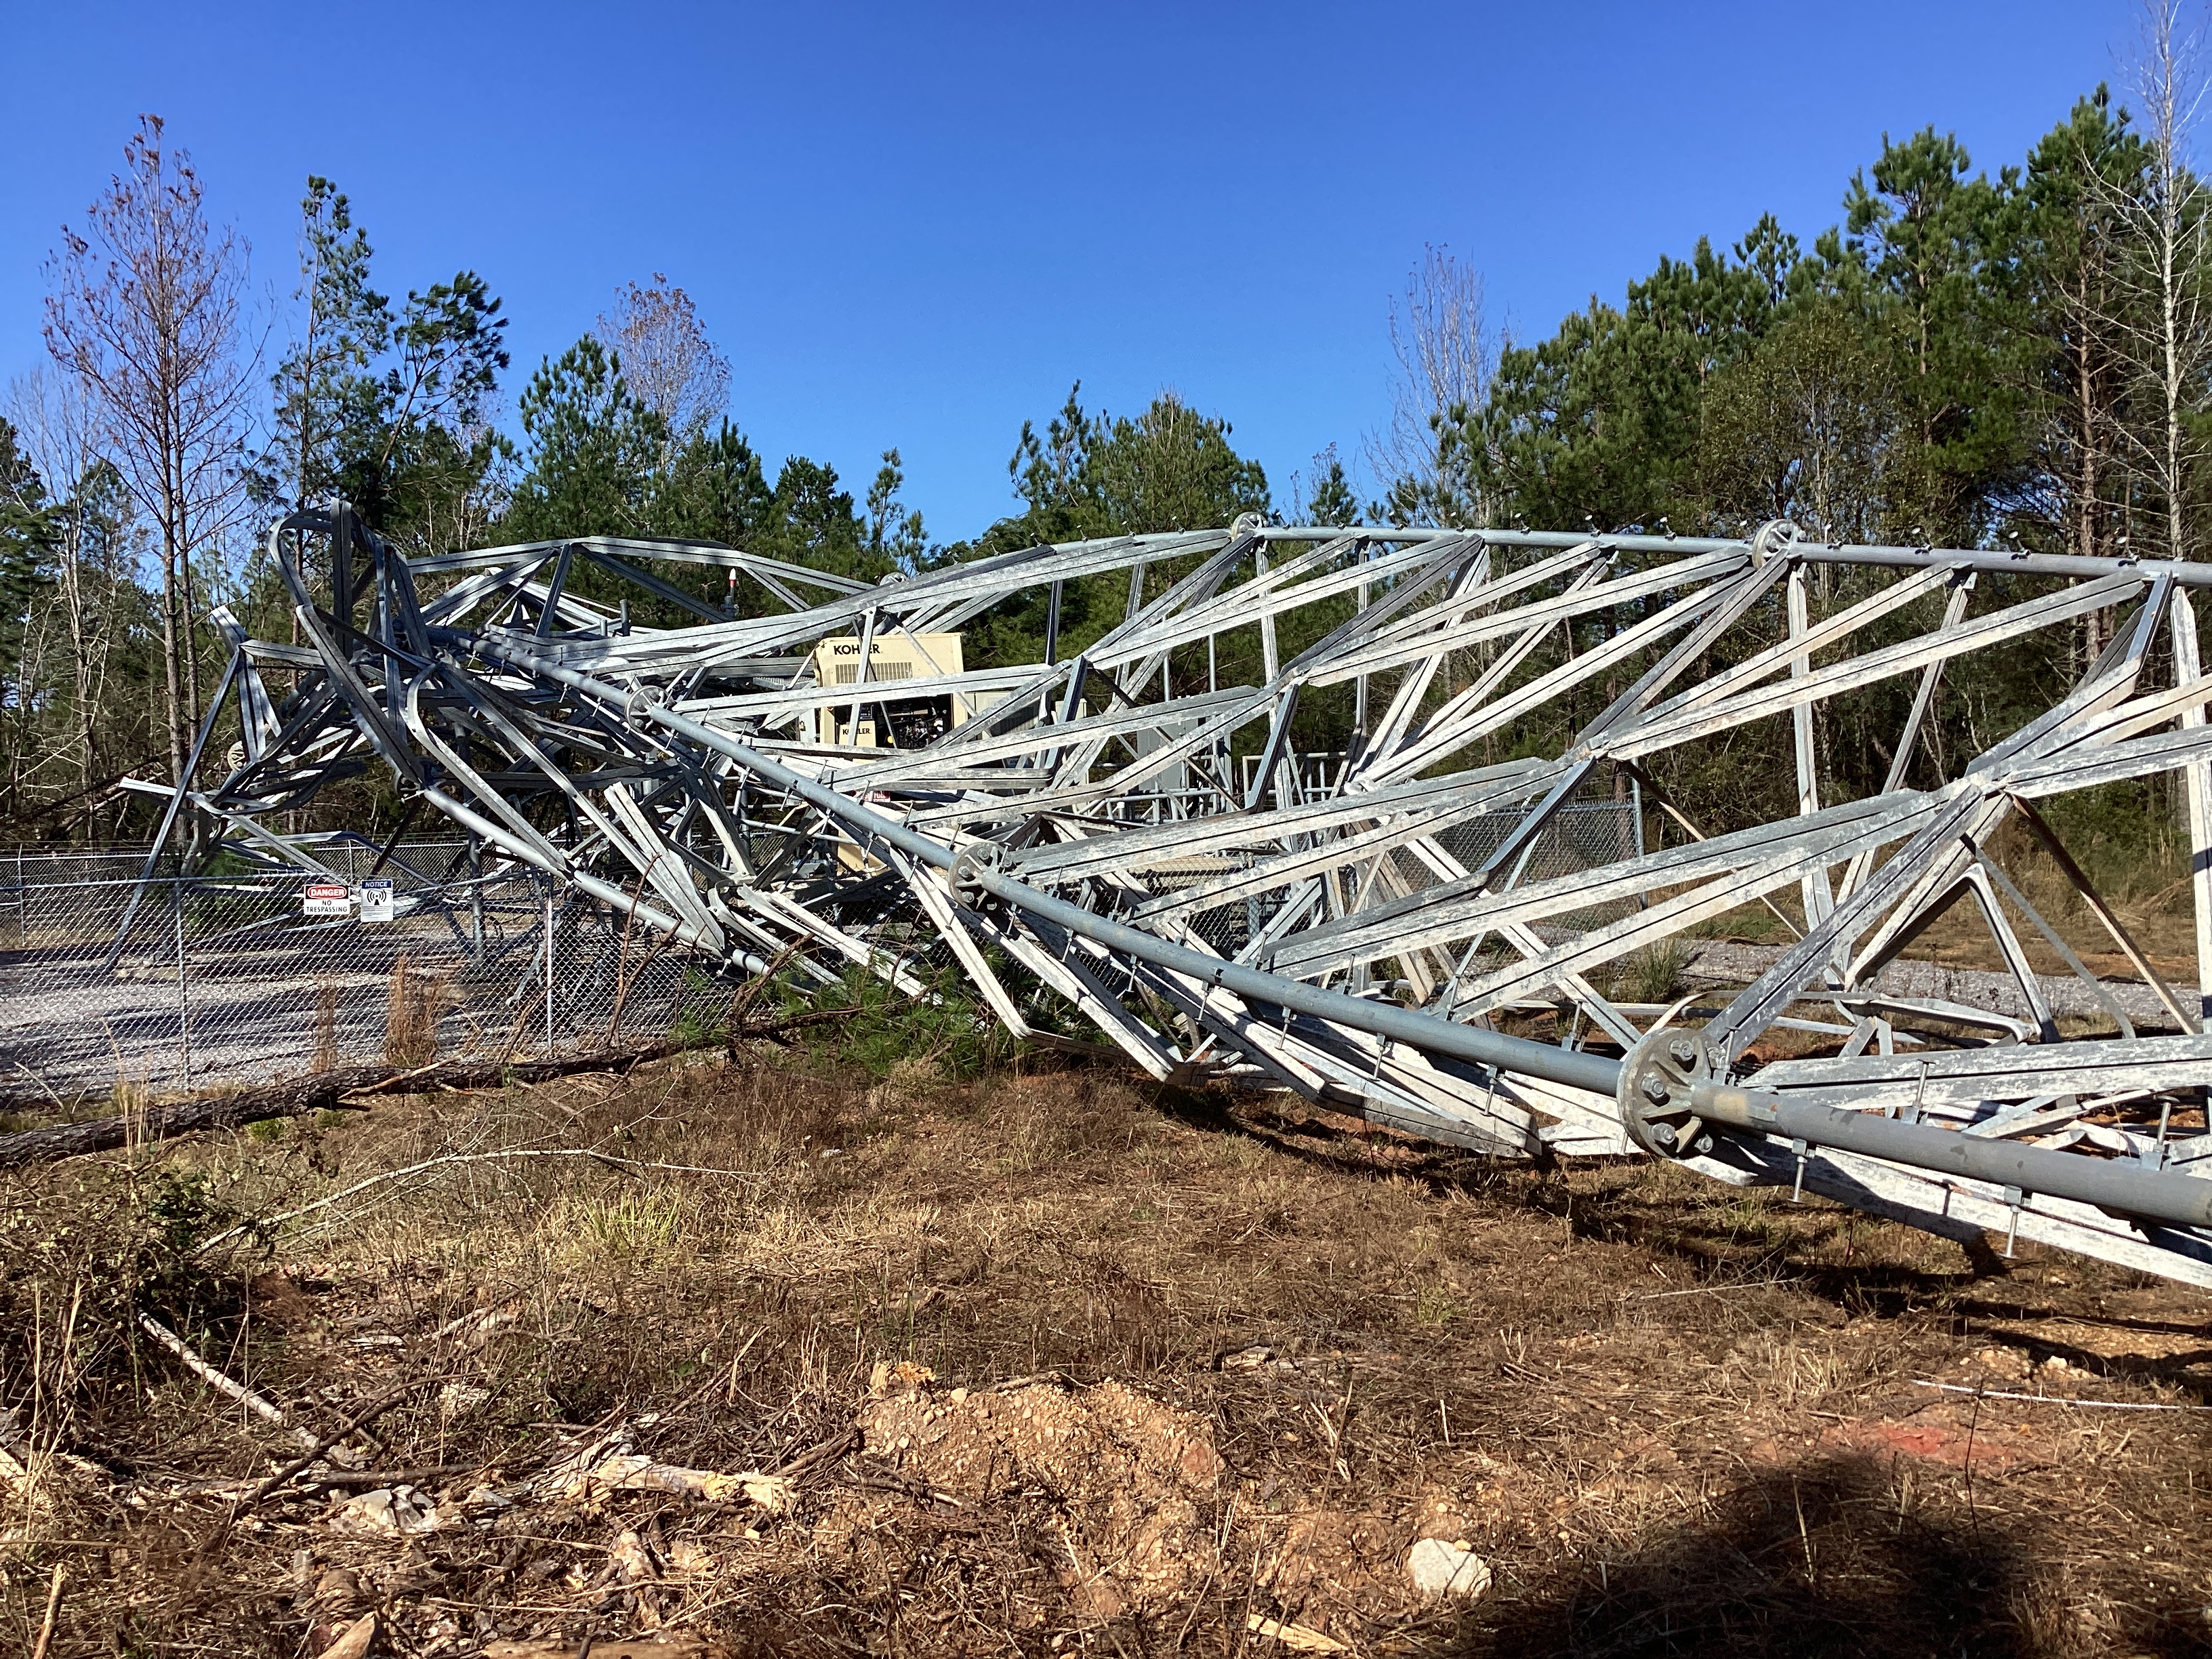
(1658, 1081)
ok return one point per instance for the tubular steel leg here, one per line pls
(1097, 821)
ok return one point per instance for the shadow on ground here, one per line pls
(1827, 1559)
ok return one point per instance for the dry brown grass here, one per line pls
(327, 1025)
(412, 1011)
(1675, 1418)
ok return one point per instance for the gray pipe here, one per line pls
(1517, 1054)
(2188, 572)
(2130, 1189)
(2110, 1184)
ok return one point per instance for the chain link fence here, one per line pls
(180, 982)
(412, 863)
(1580, 836)
(188, 982)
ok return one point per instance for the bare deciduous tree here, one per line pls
(667, 359)
(2166, 327)
(144, 306)
(49, 410)
(1446, 352)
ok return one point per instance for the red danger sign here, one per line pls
(326, 898)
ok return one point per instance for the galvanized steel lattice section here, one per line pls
(1125, 836)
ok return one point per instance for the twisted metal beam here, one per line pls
(1117, 833)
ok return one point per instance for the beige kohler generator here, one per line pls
(899, 716)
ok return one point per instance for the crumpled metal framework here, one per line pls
(1083, 835)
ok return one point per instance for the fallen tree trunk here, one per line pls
(321, 1092)
(327, 1091)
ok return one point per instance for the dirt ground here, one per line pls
(1058, 1362)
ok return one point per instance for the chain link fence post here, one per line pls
(476, 898)
(549, 967)
(183, 993)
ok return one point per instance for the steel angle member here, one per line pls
(659, 867)
(1760, 859)
(1060, 968)
(2094, 764)
(1419, 642)
(1981, 632)
(1487, 1120)
(1964, 1079)
(1779, 657)
(1128, 847)
(1863, 1002)
(1466, 1042)
(953, 922)
(1391, 829)
(1955, 1208)
(799, 919)
(1301, 1055)
(1581, 1114)
(2137, 715)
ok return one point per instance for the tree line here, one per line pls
(1966, 358)
(141, 463)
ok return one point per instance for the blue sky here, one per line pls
(916, 225)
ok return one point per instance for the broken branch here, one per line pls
(257, 1404)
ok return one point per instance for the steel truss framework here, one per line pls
(1083, 835)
